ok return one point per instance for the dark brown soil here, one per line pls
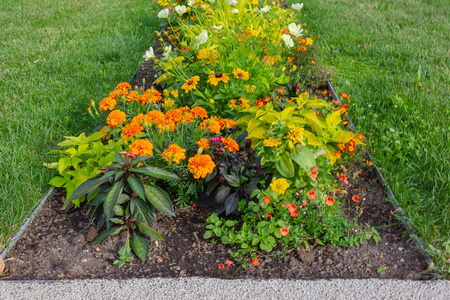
(56, 246)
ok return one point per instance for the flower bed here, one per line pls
(234, 130)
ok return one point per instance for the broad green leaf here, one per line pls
(140, 246)
(231, 203)
(119, 158)
(58, 181)
(136, 186)
(96, 136)
(63, 164)
(333, 119)
(141, 210)
(111, 199)
(72, 151)
(232, 180)
(222, 194)
(105, 233)
(285, 166)
(90, 185)
(138, 159)
(156, 173)
(314, 122)
(303, 157)
(207, 234)
(159, 199)
(150, 232)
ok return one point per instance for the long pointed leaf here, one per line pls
(112, 199)
(136, 186)
(142, 211)
(90, 185)
(140, 246)
(138, 159)
(156, 172)
(105, 233)
(148, 231)
(159, 199)
(119, 158)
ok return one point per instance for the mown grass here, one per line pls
(56, 56)
(393, 58)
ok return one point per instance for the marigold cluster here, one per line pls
(122, 89)
(173, 153)
(203, 143)
(131, 130)
(230, 145)
(107, 103)
(141, 147)
(201, 165)
(116, 117)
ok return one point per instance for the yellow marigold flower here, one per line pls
(116, 117)
(309, 41)
(201, 165)
(240, 74)
(271, 142)
(132, 96)
(174, 93)
(214, 79)
(295, 135)
(203, 143)
(230, 144)
(174, 153)
(279, 186)
(122, 88)
(141, 147)
(255, 2)
(168, 103)
(199, 111)
(190, 84)
(130, 130)
(152, 95)
(208, 56)
(107, 104)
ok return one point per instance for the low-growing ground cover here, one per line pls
(393, 58)
(238, 127)
(56, 56)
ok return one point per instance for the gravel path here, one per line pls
(207, 288)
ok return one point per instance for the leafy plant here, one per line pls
(126, 197)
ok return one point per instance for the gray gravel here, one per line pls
(208, 288)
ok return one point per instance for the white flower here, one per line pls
(369, 105)
(180, 9)
(288, 40)
(295, 29)
(202, 37)
(297, 6)
(211, 1)
(191, 2)
(232, 2)
(217, 27)
(265, 8)
(235, 11)
(163, 14)
(167, 51)
(149, 54)
(392, 130)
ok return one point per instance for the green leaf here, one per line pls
(90, 185)
(231, 203)
(156, 173)
(303, 157)
(285, 166)
(63, 164)
(149, 231)
(222, 194)
(118, 175)
(140, 246)
(207, 234)
(125, 250)
(138, 159)
(111, 199)
(105, 233)
(232, 180)
(119, 158)
(159, 199)
(141, 209)
(136, 186)
(58, 181)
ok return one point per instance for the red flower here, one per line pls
(313, 174)
(255, 261)
(269, 214)
(330, 201)
(311, 194)
(228, 262)
(355, 198)
(315, 167)
(292, 207)
(345, 96)
(294, 214)
(267, 199)
(304, 203)
(342, 177)
(284, 231)
(221, 266)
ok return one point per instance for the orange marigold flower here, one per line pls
(130, 130)
(201, 165)
(132, 96)
(227, 123)
(214, 79)
(167, 125)
(107, 104)
(176, 115)
(190, 84)
(174, 153)
(355, 198)
(152, 95)
(240, 74)
(311, 194)
(228, 262)
(154, 117)
(122, 88)
(292, 207)
(203, 143)
(212, 125)
(284, 231)
(330, 201)
(313, 174)
(221, 266)
(255, 261)
(267, 199)
(113, 95)
(141, 147)
(199, 111)
(116, 117)
(230, 144)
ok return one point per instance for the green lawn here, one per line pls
(55, 57)
(381, 53)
